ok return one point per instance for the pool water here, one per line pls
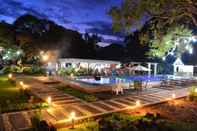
(114, 80)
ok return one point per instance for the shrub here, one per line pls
(137, 84)
(90, 98)
(33, 70)
(40, 125)
(11, 69)
(77, 93)
(193, 93)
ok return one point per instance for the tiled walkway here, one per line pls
(64, 104)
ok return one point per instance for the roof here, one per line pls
(178, 61)
(77, 60)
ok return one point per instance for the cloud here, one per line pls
(102, 27)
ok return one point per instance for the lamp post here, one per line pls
(72, 117)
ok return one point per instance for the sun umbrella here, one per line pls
(139, 68)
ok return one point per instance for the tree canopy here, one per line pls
(176, 41)
(160, 29)
(165, 12)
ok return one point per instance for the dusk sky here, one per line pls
(80, 15)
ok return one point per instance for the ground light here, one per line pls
(21, 83)
(138, 103)
(49, 100)
(195, 90)
(45, 57)
(173, 96)
(72, 118)
(10, 76)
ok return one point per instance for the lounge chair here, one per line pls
(118, 89)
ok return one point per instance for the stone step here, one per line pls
(57, 114)
(114, 104)
(104, 106)
(88, 108)
(64, 102)
(18, 121)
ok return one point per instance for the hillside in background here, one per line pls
(34, 35)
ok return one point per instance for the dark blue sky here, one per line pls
(81, 15)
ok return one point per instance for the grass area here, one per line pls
(77, 93)
(14, 99)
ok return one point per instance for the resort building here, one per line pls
(181, 69)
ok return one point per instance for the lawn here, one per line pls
(74, 92)
(13, 99)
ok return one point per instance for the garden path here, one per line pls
(63, 104)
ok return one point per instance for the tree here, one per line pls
(164, 12)
(6, 35)
(160, 18)
(176, 41)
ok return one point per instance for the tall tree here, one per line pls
(161, 15)
(165, 12)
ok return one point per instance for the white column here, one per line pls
(149, 67)
(155, 69)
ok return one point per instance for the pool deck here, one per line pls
(63, 104)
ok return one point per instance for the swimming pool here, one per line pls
(127, 79)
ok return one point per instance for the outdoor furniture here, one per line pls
(118, 89)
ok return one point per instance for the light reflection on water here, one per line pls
(114, 80)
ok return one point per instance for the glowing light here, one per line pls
(72, 75)
(72, 115)
(195, 90)
(10, 76)
(49, 100)
(173, 96)
(41, 52)
(72, 118)
(18, 52)
(138, 103)
(21, 83)
(45, 57)
(164, 58)
(194, 39)
(191, 50)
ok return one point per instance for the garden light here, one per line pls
(173, 96)
(72, 118)
(49, 100)
(45, 57)
(21, 83)
(164, 58)
(10, 76)
(138, 103)
(195, 90)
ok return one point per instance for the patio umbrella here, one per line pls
(139, 68)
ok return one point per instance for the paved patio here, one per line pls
(63, 104)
